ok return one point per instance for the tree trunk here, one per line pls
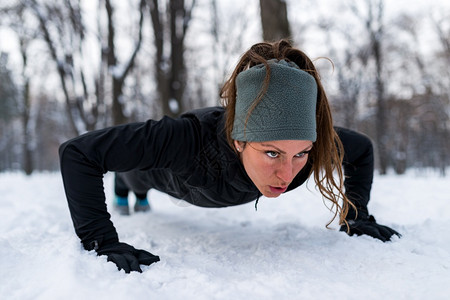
(274, 20)
(119, 75)
(177, 77)
(27, 163)
(373, 22)
(60, 67)
(170, 72)
(27, 151)
(381, 112)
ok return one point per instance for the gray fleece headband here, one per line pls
(287, 111)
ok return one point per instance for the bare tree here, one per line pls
(443, 30)
(119, 74)
(374, 26)
(274, 20)
(14, 16)
(349, 64)
(61, 27)
(426, 110)
(8, 112)
(26, 107)
(170, 69)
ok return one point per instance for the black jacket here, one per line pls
(188, 158)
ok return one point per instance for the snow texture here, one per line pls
(281, 251)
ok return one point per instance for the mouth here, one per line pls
(278, 189)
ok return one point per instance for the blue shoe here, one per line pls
(141, 205)
(121, 205)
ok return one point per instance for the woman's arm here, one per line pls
(358, 170)
(154, 144)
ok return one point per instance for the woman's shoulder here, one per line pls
(209, 115)
(211, 123)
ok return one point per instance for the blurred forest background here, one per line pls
(70, 66)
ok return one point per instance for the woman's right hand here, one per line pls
(127, 257)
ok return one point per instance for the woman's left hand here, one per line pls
(368, 225)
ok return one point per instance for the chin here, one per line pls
(271, 195)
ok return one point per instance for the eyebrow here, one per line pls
(282, 152)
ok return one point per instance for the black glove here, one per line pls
(127, 257)
(365, 224)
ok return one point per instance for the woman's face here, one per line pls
(273, 165)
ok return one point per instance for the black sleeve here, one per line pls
(169, 143)
(358, 169)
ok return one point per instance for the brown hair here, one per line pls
(327, 154)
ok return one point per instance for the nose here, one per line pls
(286, 171)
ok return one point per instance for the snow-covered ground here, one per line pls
(281, 251)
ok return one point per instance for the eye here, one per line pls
(272, 154)
(302, 154)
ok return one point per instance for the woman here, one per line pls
(274, 131)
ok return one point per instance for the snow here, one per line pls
(173, 106)
(281, 251)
